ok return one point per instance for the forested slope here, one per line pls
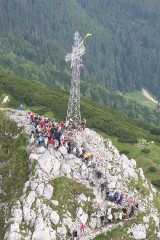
(41, 99)
(122, 54)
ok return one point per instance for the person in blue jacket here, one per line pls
(21, 108)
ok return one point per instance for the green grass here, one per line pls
(143, 160)
(66, 192)
(138, 97)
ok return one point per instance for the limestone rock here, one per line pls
(93, 222)
(48, 192)
(62, 150)
(138, 231)
(41, 150)
(62, 231)
(54, 217)
(40, 189)
(66, 169)
(56, 168)
(83, 218)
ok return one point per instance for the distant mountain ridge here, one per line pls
(123, 53)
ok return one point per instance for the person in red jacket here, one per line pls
(82, 227)
(62, 124)
(31, 117)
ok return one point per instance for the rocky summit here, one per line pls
(67, 197)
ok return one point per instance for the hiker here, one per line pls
(40, 139)
(62, 125)
(132, 211)
(31, 116)
(32, 140)
(75, 235)
(110, 217)
(102, 187)
(82, 227)
(21, 108)
(83, 123)
(99, 174)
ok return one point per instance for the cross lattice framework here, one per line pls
(78, 50)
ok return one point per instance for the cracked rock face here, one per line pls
(35, 214)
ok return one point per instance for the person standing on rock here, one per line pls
(83, 123)
(110, 217)
(82, 227)
(75, 235)
(21, 107)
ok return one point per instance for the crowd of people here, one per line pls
(45, 132)
(127, 206)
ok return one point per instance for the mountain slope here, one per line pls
(122, 54)
(63, 192)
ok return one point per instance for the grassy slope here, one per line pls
(143, 160)
(138, 97)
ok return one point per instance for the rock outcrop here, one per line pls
(38, 215)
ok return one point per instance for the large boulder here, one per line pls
(93, 222)
(41, 150)
(138, 231)
(54, 217)
(62, 150)
(65, 169)
(48, 192)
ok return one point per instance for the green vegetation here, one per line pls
(121, 55)
(66, 192)
(147, 162)
(42, 99)
(139, 98)
(152, 169)
(13, 164)
(126, 152)
(146, 150)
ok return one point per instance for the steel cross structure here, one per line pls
(78, 49)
